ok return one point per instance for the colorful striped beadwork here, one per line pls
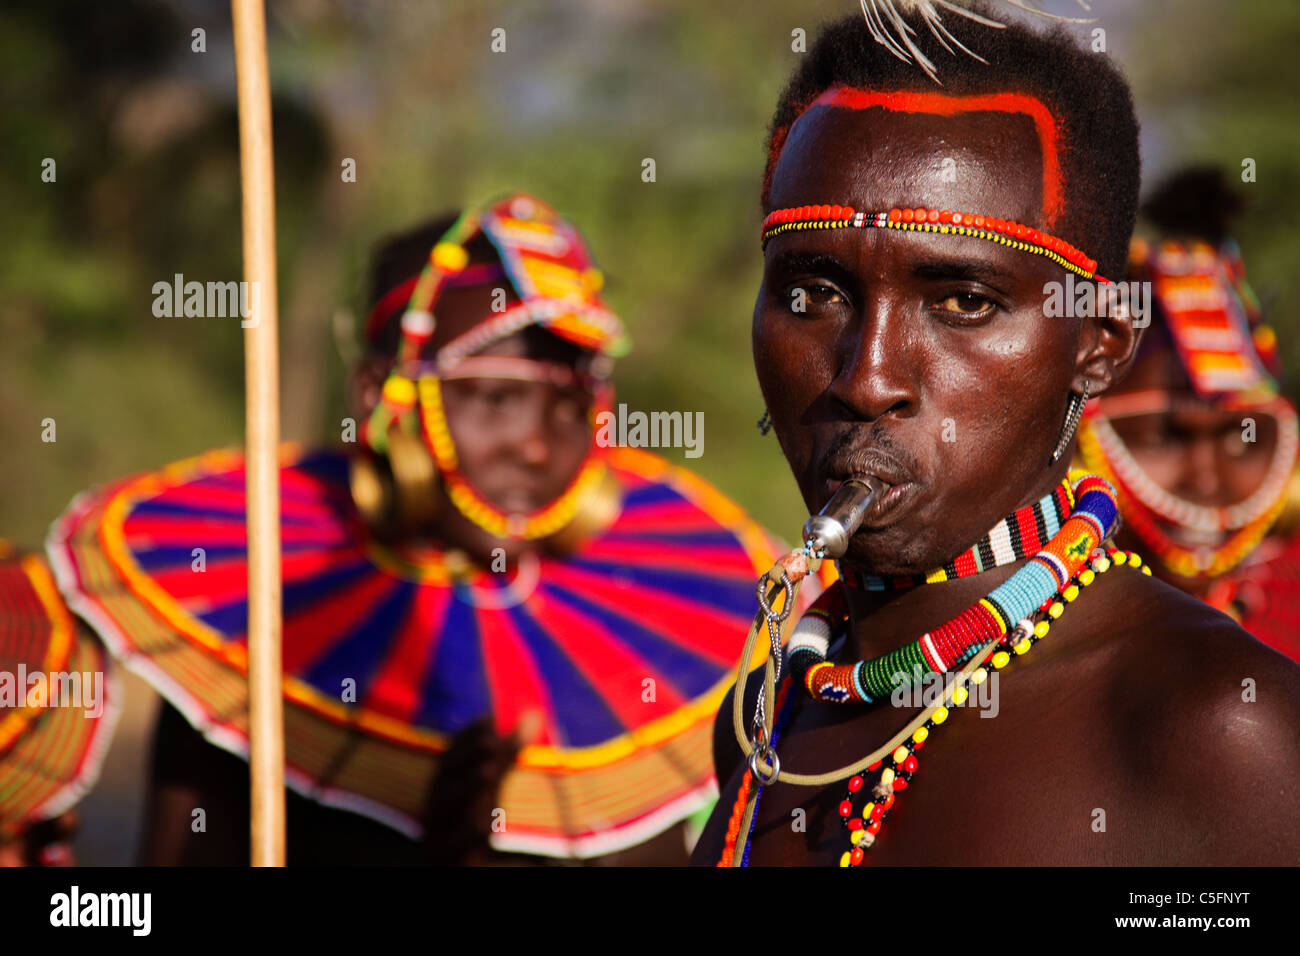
(1015, 537)
(1094, 518)
(899, 767)
(894, 773)
(942, 221)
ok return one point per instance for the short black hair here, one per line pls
(1084, 91)
(1197, 201)
(396, 258)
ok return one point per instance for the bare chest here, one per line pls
(1015, 777)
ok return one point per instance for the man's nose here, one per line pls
(1201, 475)
(874, 377)
(534, 449)
(534, 446)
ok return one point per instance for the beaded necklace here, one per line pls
(902, 764)
(1015, 537)
(1094, 518)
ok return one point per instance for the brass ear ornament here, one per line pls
(397, 493)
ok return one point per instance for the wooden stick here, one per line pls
(262, 426)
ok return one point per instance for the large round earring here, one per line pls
(399, 492)
(599, 508)
(1072, 416)
(372, 488)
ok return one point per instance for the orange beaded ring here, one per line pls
(942, 221)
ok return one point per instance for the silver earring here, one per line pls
(765, 423)
(1072, 415)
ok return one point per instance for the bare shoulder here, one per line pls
(1171, 641)
(1209, 719)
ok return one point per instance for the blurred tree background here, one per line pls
(142, 129)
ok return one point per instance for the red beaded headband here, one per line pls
(943, 221)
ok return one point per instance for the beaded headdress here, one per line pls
(1212, 316)
(547, 264)
(1207, 312)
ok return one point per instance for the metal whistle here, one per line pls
(827, 533)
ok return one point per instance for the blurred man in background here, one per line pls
(1198, 440)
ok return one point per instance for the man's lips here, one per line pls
(885, 508)
(899, 484)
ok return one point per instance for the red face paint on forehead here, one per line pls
(943, 104)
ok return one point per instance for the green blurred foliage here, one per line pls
(1219, 83)
(144, 133)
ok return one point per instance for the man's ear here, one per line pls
(367, 383)
(1108, 347)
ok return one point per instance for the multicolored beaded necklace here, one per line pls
(1049, 580)
(1092, 520)
(1015, 537)
(864, 826)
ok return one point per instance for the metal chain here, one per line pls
(763, 762)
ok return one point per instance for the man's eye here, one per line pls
(569, 409)
(967, 304)
(814, 294)
(498, 398)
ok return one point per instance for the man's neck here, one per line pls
(882, 621)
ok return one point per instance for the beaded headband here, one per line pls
(395, 299)
(942, 221)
